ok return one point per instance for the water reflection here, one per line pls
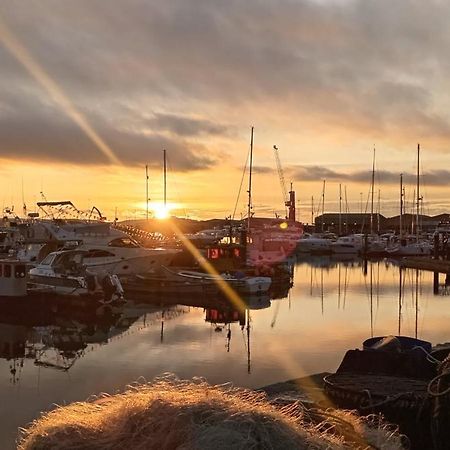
(55, 352)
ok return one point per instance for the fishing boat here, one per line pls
(64, 273)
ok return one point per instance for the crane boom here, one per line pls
(281, 177)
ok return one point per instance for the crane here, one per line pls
(286, 203)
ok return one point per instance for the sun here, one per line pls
(161, 211)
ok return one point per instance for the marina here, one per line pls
(224, 225)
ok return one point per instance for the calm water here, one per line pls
(333, 306)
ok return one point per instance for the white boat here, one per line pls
(64, 273)
(109, 249)
(348, 244)
(309, 243)
(405, 248)
(245, 285)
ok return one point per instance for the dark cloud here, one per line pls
(262, 169)
(370, 68)
(318, 173)
(46, 134)
(186, 126)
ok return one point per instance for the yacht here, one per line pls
(410, 247)
(109, 249)
(348, 244)
(310, 243)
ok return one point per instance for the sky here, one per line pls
(91, 91)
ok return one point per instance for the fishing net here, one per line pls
(169, 413)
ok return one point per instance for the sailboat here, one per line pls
(411, 246)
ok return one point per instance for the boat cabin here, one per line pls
(13, 281)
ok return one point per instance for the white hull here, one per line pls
(410, 250)
(130, 265)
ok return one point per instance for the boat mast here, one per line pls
(346, 209)
(165, 179)
(378, 211)
(323, 205)
(340, 208)
(312, 210)
(146, 189)
(372, 189)
(401, 207)
(418, 194)
(249, 206)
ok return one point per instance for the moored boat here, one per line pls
(64, 273)
(190, 281)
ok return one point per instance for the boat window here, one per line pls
(123, 242)
(48, 260)
(98, 254)
(19, 271)
(7, 270)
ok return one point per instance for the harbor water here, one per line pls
(55, 353)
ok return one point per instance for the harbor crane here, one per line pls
(281, 177)
(289, 202)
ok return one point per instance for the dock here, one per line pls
(426, 263)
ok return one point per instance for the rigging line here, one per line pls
(177, 192)
(242, 182)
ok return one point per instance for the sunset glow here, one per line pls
(160, 211)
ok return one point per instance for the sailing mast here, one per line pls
(401, 207)
(249, 206)
(378, 211)
(146, 189)
(372, 189)
(323, 205)
(165, 180)
(340, 208)
(418, 194)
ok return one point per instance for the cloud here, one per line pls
(47, 135)
(180, 73)
(186, 126)
(317, 173)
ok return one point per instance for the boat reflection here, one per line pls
(54, 335)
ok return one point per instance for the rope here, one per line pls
(434, 380)
(387, 400)
(430, 357)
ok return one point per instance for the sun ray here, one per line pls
(18, 51)
(227, 290)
